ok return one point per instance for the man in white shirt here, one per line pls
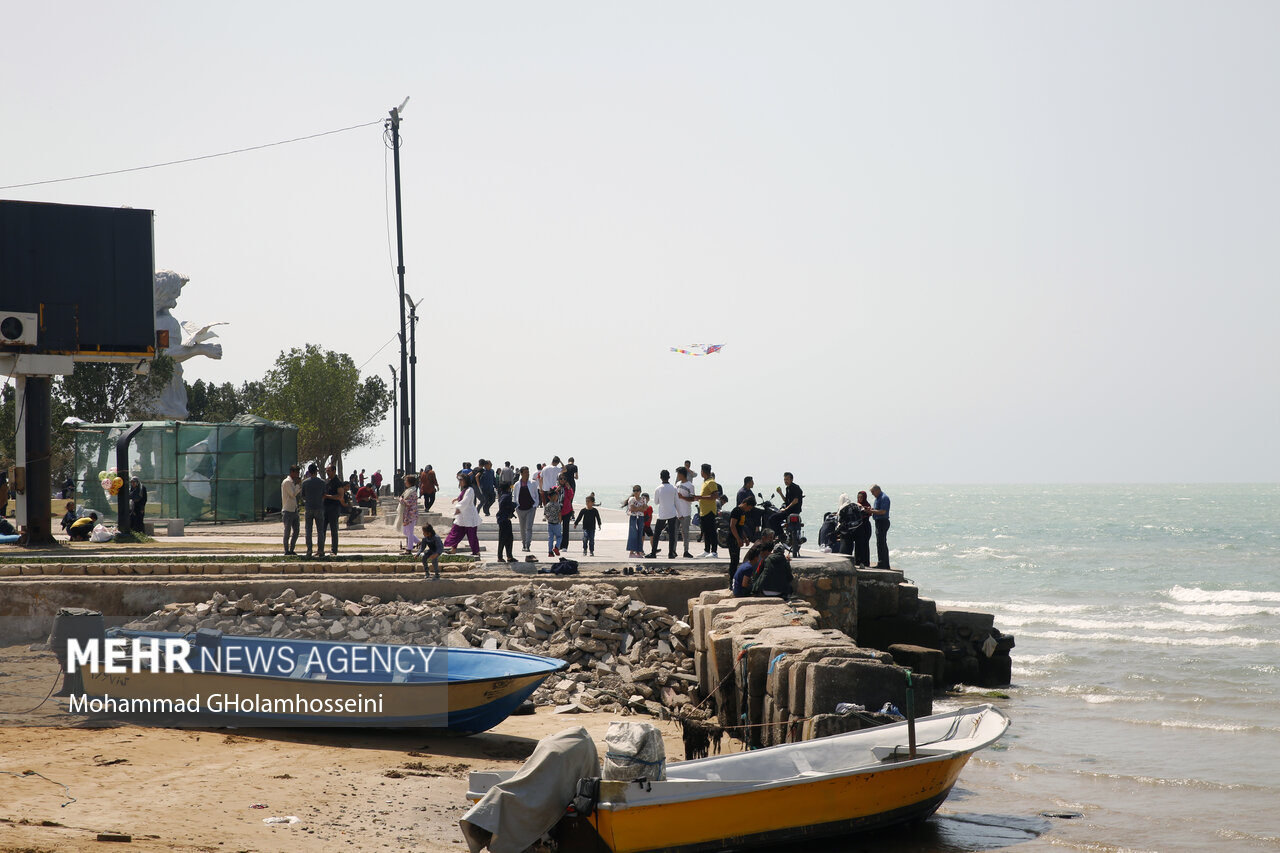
(548, 477)
(684, 505)
(290, 488)
(664, 498)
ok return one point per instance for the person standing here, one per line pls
(589, 518)
(571, 474)
(334, 492)
(550, 476)
(566, 509)
(137, 504)
(707, 511)
(290, 488)
(684, 506)
(506, 509)
(466, 518)
(526, 500)
(635, 506)
(665, 498)
(408, 513)
(748, 488)
(362, 478)
(880, 515)
(430, 490)
(376, 479)
(313, 498)
(487, 483)
(507, 476)
(551, 512)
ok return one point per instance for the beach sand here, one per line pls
(210, 789)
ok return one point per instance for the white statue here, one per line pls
(186, 340)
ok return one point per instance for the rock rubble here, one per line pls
(623, 654)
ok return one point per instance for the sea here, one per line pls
(1146, 674)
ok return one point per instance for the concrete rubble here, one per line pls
(777, 677)
(623, 654)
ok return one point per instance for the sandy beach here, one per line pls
(211, 789)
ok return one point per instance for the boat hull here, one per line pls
(462, 690)
(792, 813)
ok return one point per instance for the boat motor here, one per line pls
(74, 623)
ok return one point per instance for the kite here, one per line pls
(698, 349)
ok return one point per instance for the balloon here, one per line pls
(106, 484)
(117, 482)
(102, 475)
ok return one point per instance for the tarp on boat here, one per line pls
(514, 814)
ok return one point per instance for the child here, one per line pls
(589, 518)
(506, 510)
(430, 548)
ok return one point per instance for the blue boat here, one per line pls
(262, 681)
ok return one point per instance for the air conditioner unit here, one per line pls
(18, 329)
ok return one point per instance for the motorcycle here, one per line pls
(789, 529)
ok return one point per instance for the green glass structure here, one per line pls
(193, 471)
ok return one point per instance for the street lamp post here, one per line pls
(413, 376)
(393, 124)
(395, 451)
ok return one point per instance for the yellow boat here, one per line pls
(825, 787)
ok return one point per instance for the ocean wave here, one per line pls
(1012, 621)
(1161, 782)
(1014, 607)
(1203, 642)
(1196, 595)
(1204, 725)
(1221, 609)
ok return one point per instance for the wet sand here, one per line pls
(210, 789)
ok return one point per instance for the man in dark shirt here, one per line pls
(880, 514)
(571, 473)
(334, 491)
(748, 489)
(313, 489)
(792, 501)
(488, 483)
(743, 523)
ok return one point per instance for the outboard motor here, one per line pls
(74, 623)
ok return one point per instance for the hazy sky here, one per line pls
(1004, 242)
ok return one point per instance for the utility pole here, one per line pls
(395, 431)
(393, 124)
(413, 376)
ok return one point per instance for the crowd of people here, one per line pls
(680, 512)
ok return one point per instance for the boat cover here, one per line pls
(514, 814)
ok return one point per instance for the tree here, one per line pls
(320, 392)
(97, 392)
(220, 403)
(108, 393)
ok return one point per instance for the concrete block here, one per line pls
(908, 599)
(927, 610)
(877, 599)
(921, 660)
(866, 683)
(970, 619)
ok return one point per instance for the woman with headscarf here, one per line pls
(854, 530)
(635, 506)
(466, 518)
(408, 513)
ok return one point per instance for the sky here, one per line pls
(941, 243)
